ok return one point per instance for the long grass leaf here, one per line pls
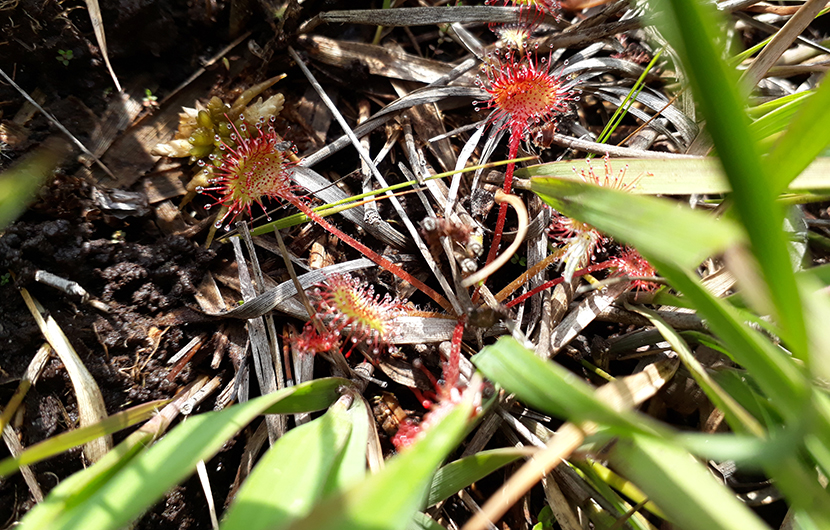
(457, 475)
(143, 480)
(290, 478)
(694, 29)
(681, 487)
(390, 499)
(62, 442)
(654, 226)
(806, 137)
(549, 387)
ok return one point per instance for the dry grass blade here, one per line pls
(417, 16)
(57, 124)
(781, 41)
(15, 449)
(623, 393)
(98, 28)
(573, 324)
(91, 407)
(26, 382)
(260, 345)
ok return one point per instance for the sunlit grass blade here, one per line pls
(654, 226)
(695, 30)
(390, 498)
(62, 442)
(144, 479)
(606, 481)
(665, 176)
(19, 183)
(629, 100)
(680, 486)
(351, 202)
(350, 467)
(291, 477)
(773, 369)
(551, 388)
(457, 475)
(806, 137)
(779, 119)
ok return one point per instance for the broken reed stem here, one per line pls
(371, 254)
(492, 266)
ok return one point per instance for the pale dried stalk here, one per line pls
(91, 407)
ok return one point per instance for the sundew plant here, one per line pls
(476, 383)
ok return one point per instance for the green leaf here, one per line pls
(457, 475)
(680, 486)
(421, 521)
(118, 498)
(694, 28)
(389, 499)
(62, 442)
(19, 184)
(291, 476)
(805, 138)
(350, 467)
(773, 369)
(654, 226)
(737, 417)
(551, 388)
(780, 119)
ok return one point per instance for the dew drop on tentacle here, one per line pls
(200, 163)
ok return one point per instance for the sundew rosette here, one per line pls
(348, 306)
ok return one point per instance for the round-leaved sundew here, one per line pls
(523, 92)
(256, 168)
(346, 302)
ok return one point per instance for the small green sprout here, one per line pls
(5, 278)
(149, 99)
(64, 56)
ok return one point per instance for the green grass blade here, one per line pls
(62, 442)
(806, 137)
(629, 100)
(389, 499)
(681, 487)
(421, 521)
(775, 372)
(143, 480)
(457, 475)
(551, 388)
(657, 227)
(19, 184)
(737, 417)
(291, 476)
(694, 29)
(777, 120)
(350, 468)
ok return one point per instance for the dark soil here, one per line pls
(145, 277)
